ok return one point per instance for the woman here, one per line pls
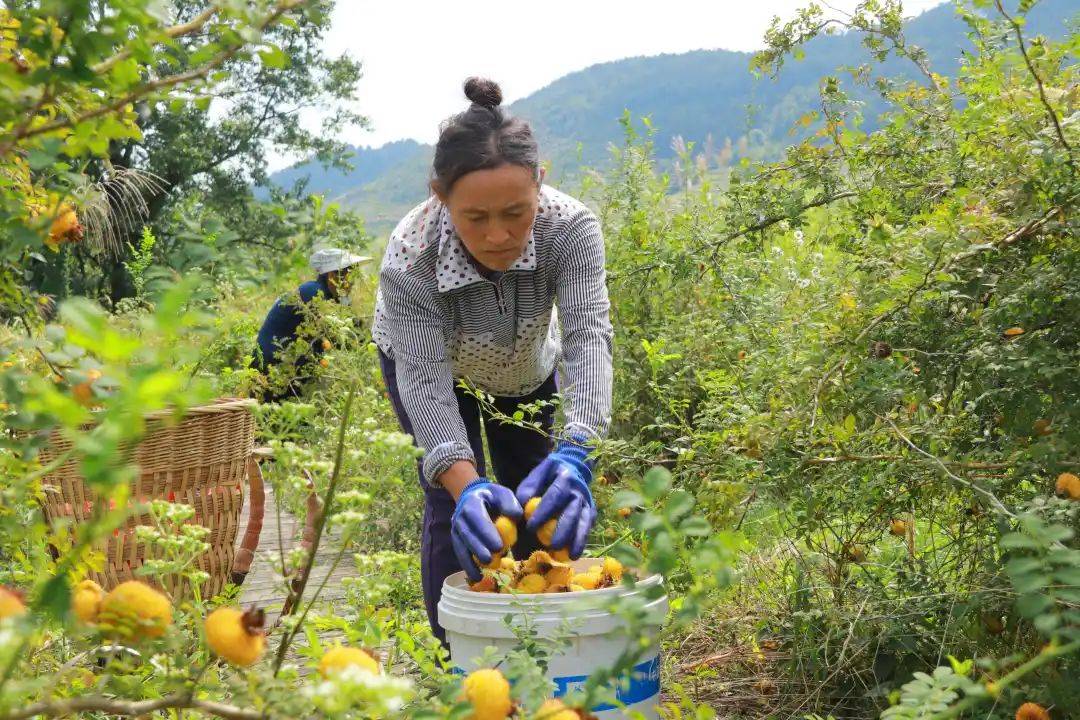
(466, 291)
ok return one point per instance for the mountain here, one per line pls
(700, 96)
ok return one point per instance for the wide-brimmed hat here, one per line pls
(327, 260)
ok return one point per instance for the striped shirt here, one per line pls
(439, 319)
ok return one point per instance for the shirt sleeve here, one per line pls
(584, 314)
(418, 339)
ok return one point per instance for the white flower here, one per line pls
(799, 236)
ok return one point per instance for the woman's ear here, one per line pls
(436, 190)
(541, 175)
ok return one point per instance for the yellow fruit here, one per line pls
(530, 507)
(133, 610)
(1013, 332)
(1042, 427)
(326, 344)
(86, 601)
(11, 603)
(742, 355)
(508, 565)
(855, 554)
(898, 528)
(588, 581)
(1031, 711)
(539, 562)
(489, 694)
(494, 564)
(65, 227)
(562, 556)
(574, 587)
(555, 710)
(324, 362)
(507, 531)
(625, 512)
(547, 531)
(531, 583)
(236, 636)
(83, 393)
(485, 584)
(613, 569)
(559, 575)
(1068, 485)
(338, 658)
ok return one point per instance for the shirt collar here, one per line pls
(455, 268)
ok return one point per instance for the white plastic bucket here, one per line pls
(475, 621)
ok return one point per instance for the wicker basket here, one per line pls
(202, 461)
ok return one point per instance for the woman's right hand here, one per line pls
(472, 526)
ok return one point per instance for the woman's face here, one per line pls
(493, 211)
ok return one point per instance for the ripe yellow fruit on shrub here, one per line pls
(326, 344)
(531, 583)
(1068, 485)
(1032, 711)
(555, 710)
(65, 226)
(340, 657)
(11, 603)
(1013, 332)
(86, 601)
(489, 694)
(898, 527)
(236, 636)
(133, 610)
(324, 362)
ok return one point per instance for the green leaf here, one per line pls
(1033, 605)
(55, 598)
(273, 57)
(656, 482)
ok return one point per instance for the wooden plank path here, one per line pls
(263, 585)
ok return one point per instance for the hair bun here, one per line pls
(483, 92)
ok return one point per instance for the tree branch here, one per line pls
(129, 708)
(1038, 79)
(176, 31)
(150, 87)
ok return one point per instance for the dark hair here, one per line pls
(484, 136)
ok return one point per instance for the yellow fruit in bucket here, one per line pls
(559, 575)
(562, 555)
(530, 507)
(489, 694)
(532, 583)
(612, 568)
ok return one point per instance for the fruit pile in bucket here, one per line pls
(545, 571)
(541, 573)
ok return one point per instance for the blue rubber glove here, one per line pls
(472, 526)
(562, 483)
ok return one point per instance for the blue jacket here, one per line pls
(278, 330)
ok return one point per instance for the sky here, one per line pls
(416, 54)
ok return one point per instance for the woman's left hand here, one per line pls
(562, 483)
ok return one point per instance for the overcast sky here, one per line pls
(417, 53)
